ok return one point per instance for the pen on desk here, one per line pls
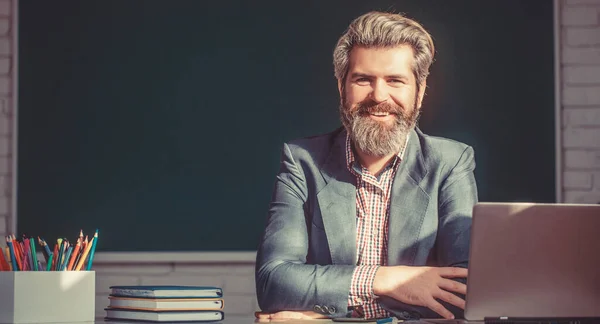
(91, 258)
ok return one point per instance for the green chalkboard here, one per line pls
(161, 122)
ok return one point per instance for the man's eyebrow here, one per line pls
(369, 76)
(361, 75)
(397, 76)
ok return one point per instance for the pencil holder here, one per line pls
(47, 296)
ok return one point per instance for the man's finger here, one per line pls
(438, 308)
(454, 286)
(450, 298)
(453, 272)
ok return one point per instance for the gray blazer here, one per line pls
(307, 253)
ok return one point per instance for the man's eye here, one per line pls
(362, 81)
(396, 81)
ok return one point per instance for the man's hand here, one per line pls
(421, 285)
(287, 315)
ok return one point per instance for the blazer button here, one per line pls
(318, 309)
(331, 310)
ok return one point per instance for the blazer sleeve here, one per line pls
(283, 279)
(457, 196)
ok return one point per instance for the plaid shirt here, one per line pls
(372, 212)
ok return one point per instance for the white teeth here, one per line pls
(380, 113)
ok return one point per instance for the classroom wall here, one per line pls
(580, 92)
(580, 107)
(7, 50)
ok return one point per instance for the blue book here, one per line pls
(162, 316)
(167, 291)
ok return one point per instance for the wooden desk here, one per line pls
(239, 319)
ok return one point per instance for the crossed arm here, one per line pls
(286, 284)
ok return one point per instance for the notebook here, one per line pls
(166, 303)
(163, 316)
(534, 262)
(166, 291)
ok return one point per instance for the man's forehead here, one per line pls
(369, 60)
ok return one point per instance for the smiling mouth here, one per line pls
(380, 114)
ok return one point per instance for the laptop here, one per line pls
(532, 262)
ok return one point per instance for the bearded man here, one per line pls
(373, 219)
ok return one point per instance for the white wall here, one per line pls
(579, 165)
(7, 63)
(580, 84)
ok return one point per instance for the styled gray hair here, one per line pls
(384, 30)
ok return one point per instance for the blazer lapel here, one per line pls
(337, 201)
(408, 205)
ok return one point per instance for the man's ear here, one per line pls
(340, 87)
(422, 88)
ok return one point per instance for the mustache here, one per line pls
(365, 108)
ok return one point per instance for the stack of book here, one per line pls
(165, 303)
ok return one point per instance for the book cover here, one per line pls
(167, 291)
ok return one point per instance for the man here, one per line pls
(373, 219)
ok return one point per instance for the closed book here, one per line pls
(163, 316)
(166, 303)
(167, 291)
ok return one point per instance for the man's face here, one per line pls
(380, 103)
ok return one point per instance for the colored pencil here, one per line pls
(55, 254)
(34, 254)
(85, 254)
(3, 263)
(84, 243)
(18, 251)
(74, 254)
(94, 243)
(49, 264)
(66, 260)
(61, 250)
(9, 260)
(46, 250)
(13, 257)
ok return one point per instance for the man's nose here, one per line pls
(379, 93)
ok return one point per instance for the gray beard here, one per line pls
(379, 139)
